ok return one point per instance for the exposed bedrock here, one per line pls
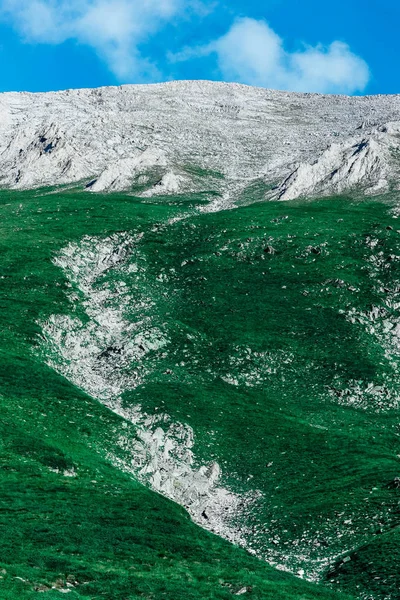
(199, 136)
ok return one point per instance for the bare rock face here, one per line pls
(199, 136)
(119, 175)
(369, 164)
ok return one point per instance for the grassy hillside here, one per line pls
(280, 357)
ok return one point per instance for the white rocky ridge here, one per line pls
(118, 175)
(199, 135)
(367, 164)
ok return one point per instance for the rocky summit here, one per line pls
(197, 136)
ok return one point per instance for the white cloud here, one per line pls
(251, 52)
(114, 28)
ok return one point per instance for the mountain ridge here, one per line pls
(143, 138)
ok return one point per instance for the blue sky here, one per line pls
(349, 46)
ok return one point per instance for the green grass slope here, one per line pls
(70, 522)
(280, 358)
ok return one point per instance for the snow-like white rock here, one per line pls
(119, 175)
(170, 183)
(368, 164)
(108, 137)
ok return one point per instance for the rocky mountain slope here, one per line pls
(244, 364)
(200, 136)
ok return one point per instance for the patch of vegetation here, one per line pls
(257, 191)
(197, 171)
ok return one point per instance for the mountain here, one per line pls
(199, 136)
(199, 402)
